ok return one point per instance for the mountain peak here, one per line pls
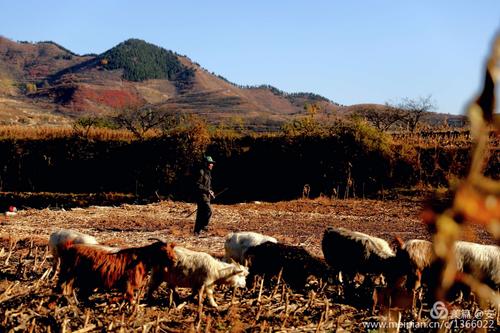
(141, 61)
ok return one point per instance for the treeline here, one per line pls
(347, 161)
(292, 97)
(52, 43)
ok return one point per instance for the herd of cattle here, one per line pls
(87, 265)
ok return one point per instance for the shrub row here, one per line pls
(344, 164)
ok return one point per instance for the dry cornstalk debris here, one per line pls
(31, 303)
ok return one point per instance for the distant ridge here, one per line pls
(45, 83)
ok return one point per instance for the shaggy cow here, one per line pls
(296, 264)
(352, 252)
(480, 261)
(88, 267)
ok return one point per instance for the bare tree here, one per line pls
(141, 120)
(83, 125)
(415, 109)
(382, 118)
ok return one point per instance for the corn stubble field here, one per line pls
(28, 302)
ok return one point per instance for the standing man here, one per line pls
(203, 196)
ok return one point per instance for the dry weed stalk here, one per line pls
(277, 283)
(12, 245)
(45, 255)
(85, 329)
(260, 291)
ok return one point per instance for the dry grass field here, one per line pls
(28, 303)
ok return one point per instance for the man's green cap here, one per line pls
(209, 159)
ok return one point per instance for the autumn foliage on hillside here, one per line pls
(114, 98)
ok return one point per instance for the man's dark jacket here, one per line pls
(204, 185)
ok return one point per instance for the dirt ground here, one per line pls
(28, 303)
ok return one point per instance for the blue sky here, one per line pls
(349, 51)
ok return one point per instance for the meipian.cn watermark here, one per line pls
(441, 318)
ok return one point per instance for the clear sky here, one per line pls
(349, 51)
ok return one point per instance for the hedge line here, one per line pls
(253, 168)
